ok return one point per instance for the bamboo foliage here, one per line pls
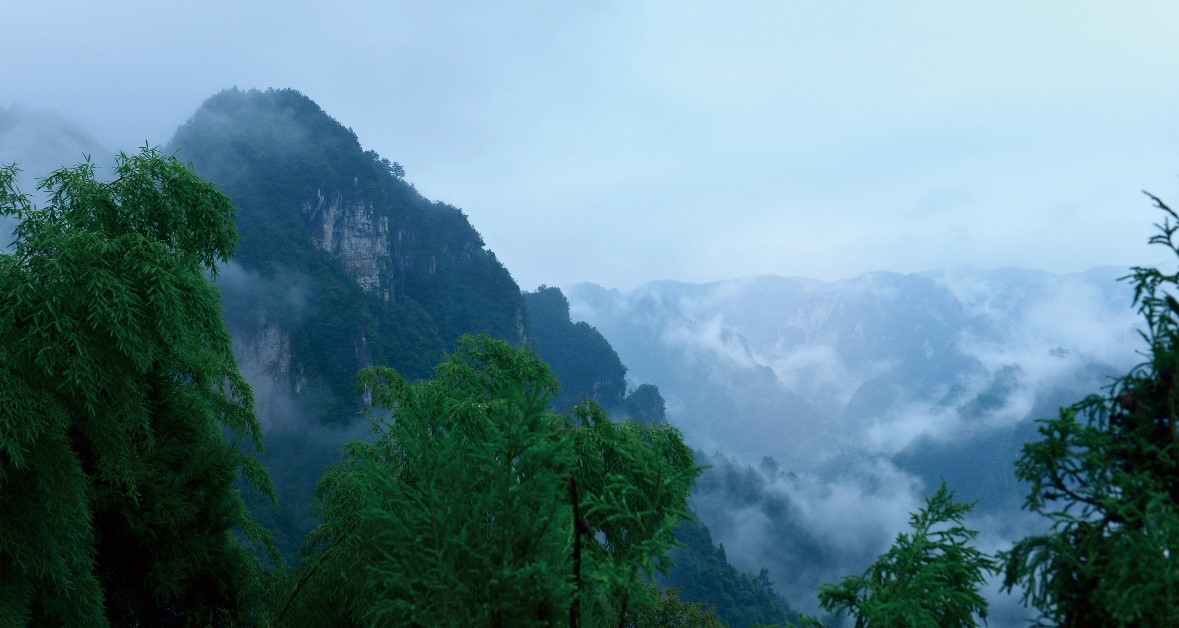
(116, 384)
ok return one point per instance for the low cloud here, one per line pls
(805, 530)
(250, 299)
(713, 337)
(915, 378)
(821, 375)
(813, 530)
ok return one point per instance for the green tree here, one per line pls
(117, 388)
(672, 612)
(929, 577)
(472, 504)
(1106, 473)
(635, 480)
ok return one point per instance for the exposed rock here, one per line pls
(354, 234)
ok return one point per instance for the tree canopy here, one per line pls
(474, 503)
(1106, 474)
(117, 387)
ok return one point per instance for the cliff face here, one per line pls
(342, 264)
(354, 235)
(264, 358)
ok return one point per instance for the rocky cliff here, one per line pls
(342, 263)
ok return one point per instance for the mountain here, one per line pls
(588, 367)
(583, 360)
(342, 264)
(702, 574)
(705, 369)
(793, 364)
(824, 409)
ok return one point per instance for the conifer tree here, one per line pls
(117, 389)
(1106, 473)
(635, 479)
(930, 577)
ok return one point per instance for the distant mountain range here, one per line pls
(802, 370)
(827, 408)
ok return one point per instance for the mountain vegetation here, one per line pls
(589, 368)
(645, 403)
(395, 278)
(476, 501)
(586, 365)
(701, 574)
(509, 478)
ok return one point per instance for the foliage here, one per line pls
(463, 510)
(636, 480)
(671, 611)
(1106, 473)
(117, 386)
(928, 578)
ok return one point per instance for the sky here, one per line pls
(623, 142)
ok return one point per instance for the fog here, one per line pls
(885, 385)
(863, 392)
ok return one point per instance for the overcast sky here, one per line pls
(620, 142)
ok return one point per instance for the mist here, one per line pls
(886, 384)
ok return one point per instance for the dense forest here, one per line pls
(508, 477)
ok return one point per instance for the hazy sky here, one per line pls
(620, 142)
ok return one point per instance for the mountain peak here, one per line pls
(392, 277)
